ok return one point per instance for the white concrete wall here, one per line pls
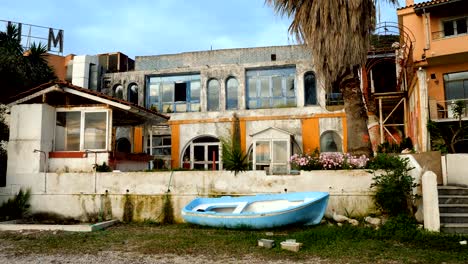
(73, 194)
(32, 127)
(84, 164)
(457, 169)
(81, 69)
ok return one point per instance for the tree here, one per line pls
(20, 70)
(337, 32)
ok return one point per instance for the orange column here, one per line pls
(345, 135)
(310, 135)
(175, 138)
(138, 140)
(243, 136)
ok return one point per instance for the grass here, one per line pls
(345, 244)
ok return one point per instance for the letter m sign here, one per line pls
(55, 40)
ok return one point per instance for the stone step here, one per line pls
(453, 199)
(452, 190)
(454, 228)
(453, 208)
(446, 218)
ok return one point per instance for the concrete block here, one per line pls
(266, 243)
(291, 245)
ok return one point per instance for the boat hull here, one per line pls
(258, 212)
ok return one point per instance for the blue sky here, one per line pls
(151, 27)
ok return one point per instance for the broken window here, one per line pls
(213, 95)
(271, 88)
(179, 93)
(118, 91)
(330, 141)
(133, 93)
(159, 146)
(81, 130)
(310, 90)
(232, 86)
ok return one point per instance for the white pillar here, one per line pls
(430, 201)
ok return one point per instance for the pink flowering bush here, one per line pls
(328, 161)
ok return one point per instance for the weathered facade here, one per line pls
(205, 92)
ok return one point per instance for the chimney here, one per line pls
(409, 2)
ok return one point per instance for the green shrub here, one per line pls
(393, 185)
(16, 207)
(102, 168)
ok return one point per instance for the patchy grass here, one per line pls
(337, 244)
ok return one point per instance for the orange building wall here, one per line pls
(436, 86)
(59, 64)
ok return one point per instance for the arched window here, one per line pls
(310, 90)
(118, 91)
(202, 153)
(330, 141)
(133, 93)
(232, 87)
(213, 95)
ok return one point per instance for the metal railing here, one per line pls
(445, 109)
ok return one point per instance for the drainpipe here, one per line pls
(45, 167)
(426, 30)
(95, 167)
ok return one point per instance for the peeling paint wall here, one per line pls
(142, 194)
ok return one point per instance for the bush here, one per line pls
(327, 161)
(16, 207)
(393, 187)
(102, 168)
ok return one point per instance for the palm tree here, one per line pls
(20, 70)
(337, 32)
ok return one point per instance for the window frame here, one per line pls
(160, 80)
(262, 75)
(271, 162)
(307, 73)
(236, 93)
(83, 112)
(152, 148)
(207, 164)
(454, 26)
(209, 90)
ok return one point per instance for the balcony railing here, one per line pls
(445, 109)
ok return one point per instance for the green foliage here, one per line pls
(20, 70)
(387, 147)
(16, 207)
(450, 137)
(102, 168)
(234, 159)
(392, 184)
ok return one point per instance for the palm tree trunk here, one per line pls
(356, 115)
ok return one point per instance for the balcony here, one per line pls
(443, 111)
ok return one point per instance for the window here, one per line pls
(456, 85)
(202, 153)
(272, 154)
(232, 86)
(133, 93)
(118, 91)
(81, 130)
(271, 88)
(180, 93)
(455, 27)
(330, 141)
(310, 89)
(160, 145)
(213, 95)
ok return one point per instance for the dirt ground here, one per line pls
(130, 257)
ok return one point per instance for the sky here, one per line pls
(153, 27)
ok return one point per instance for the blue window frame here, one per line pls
(178, 93)
(271, 88)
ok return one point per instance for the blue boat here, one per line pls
(259, 211)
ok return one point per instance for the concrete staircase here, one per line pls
(453, 208)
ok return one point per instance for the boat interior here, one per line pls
(246, 207)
